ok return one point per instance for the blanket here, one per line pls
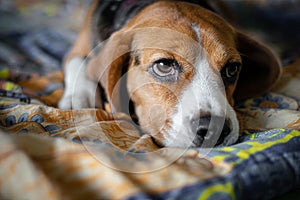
(74, 154)
(47, 153)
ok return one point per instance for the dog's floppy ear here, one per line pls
(260, 68)
(110, 63)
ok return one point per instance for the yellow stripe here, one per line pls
(252, 136)
(228, 149)
(4, 73)
(219, 188)
(247, 132)
(10, 86)
(255, 147)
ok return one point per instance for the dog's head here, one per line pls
(182, 67)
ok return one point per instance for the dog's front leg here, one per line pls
(80, 91)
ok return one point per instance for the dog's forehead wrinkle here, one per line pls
(168, 40)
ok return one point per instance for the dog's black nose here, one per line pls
(204, 126)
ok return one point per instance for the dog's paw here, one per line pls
(65, 102)
(83, 96)
(80, 91)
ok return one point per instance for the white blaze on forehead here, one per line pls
(204, 93)
(197, 31)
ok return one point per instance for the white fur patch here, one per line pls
(80, 91)
(204, 95)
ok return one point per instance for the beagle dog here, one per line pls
(175, 66)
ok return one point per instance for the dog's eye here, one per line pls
(230, 71)
(165, 69)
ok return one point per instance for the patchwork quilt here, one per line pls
(47, 153)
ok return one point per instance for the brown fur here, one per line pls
(131, 44)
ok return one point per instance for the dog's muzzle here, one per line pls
(214, 132)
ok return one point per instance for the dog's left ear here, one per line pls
(109, 65)
(260, 68)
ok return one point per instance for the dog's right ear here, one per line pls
(261, 68)
(110, 63)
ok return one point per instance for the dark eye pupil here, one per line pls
(165, 67)
(165, 70)
(232, 70)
